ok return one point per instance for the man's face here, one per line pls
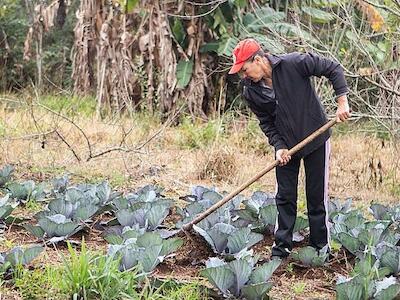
(252, 69)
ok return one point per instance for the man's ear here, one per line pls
(258, 59)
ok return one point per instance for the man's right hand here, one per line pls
(283, 157)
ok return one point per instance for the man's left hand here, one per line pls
(343, 110)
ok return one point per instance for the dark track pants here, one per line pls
(316, 166)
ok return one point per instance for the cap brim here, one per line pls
(236, 68)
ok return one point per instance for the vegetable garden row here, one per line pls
(139, 238)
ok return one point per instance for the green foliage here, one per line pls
(33, 206)
(129, 5)
(104, 281)
(184, 71)
(26, 191)
(17, 73)
(6, 207)
(37, 284)
(71, 208)
(5, 174)
(298, 287)
(240, 277)
(309, 256)
(198, 135)
(70, 105)
(317, 15)
(171, 290)
(18, 258)
(144, 251)
(91, 275)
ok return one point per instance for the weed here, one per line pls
(33, 206)
(85, 106)
(173, 291)
(38, 283)
(301, 202)
(196, 135)
(335, 246)
(92, 275)
(117, 179)
(254, 138)
(395, 189)
(298, 287)
(290, 268)
(8, 244)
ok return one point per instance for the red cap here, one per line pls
(242, 52)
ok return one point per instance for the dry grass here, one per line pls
(362, 167)
(218, 164)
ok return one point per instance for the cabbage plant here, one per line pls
(26, 191)
(309, 256)
(227, 239)
(149, 216)
(117, 235)
(335, 206)
(59, 185)
(18, 256)
(70, 212)
(355, 233)
(54, 228)
(5, 174)
(389, 257)
(382, 212)
(368, 281)
(7, 206)
(144, 249)
(202, 198)
(259, 212)
(240, 277)
(353, 288)
(144, 197)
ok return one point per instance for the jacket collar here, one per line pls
(273, 59)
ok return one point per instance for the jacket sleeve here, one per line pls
(311, 64)
(267, 123)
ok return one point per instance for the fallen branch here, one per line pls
(68, 145)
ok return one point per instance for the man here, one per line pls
(279, 91)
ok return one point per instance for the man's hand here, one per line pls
(283, 157)
(343, 110)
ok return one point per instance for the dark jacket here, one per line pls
(291, 111)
